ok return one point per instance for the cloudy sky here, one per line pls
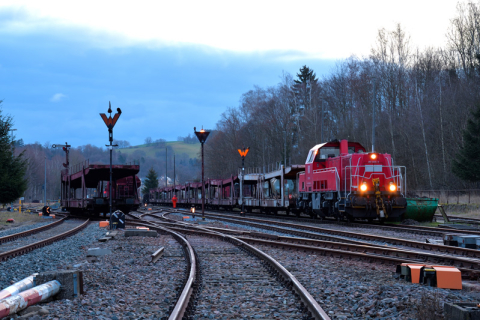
(173, 65)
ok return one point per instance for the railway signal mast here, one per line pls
(243, 153)
(202, 136)
(66, 149)
(110, 123)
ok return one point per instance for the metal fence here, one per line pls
(449, 196)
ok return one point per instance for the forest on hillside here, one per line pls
(43, 160)
(421, 99)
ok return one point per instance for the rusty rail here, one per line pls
(23, 250)
(290, 280)
(470, 267)
(29, 232)
(466, 252)
(184, 299)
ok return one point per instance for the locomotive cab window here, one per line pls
(325, 152)
(311, 156)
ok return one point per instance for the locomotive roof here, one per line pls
(336, 143)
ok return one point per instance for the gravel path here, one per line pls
(236, 285)
(348, 289)
(42, 235)
(58, 255)
(121, 285)
(125, 284)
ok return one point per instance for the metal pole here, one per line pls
(203, 189)
(166, 167)
(110, 133)
(11, 130)
(373, 114)
(321, 126)
(45, 184)
(263, 156)
(241, 189)
(174, 187)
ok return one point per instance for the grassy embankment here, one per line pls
(20, 218)
(179, 147)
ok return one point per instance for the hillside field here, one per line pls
(179, 147)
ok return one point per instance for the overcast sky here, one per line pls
(174, 65)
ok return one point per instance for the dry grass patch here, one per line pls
(20, 219)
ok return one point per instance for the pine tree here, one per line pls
(12, 168)
(151, 181)
(466, 165)
(306, 74)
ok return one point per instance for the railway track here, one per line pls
(26, 233)
(255, 270)
(413, 229)
(465, 259)
(21, 244)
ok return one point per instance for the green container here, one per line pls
(421, 209)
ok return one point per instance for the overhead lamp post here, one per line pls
(174, 186)
(166, 162)
(110, 123)
(202, 136)
(45, 184)
(243, 153)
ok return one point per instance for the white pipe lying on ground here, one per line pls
(27, 298)
(18, 287)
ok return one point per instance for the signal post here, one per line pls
(243, 153)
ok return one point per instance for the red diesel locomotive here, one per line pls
(342, 180)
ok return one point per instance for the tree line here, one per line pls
(418, 101)
(12, 166)
(36, 156)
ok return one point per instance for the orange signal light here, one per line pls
(243, 153)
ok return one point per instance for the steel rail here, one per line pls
(29, 232)
(307, 234)
(362, 247)
(289, 279)
(432, 231)
(469, 268)
(466, 252)
(25, 249)
(183, 301)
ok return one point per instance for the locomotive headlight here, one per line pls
(373, 156)
(392, 187)
(363, 187)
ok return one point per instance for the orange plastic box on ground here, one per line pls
(448, 277)
(103, 224)
(415, 270)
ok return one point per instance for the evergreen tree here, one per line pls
(466, 165)
(306, 74)
(151, 181)
(12, 168)
(307, 81)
